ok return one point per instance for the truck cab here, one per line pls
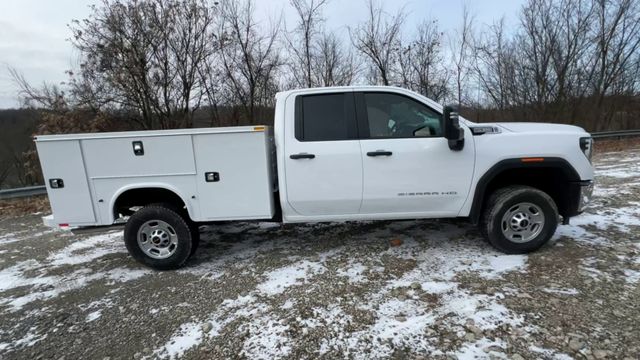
(334, 154)
(367, 153)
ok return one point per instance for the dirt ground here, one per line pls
(401, 289)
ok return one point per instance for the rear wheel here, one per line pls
(159, 237)
(519, 219)
(194, 227)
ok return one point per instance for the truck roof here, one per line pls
(435, 105)
(343, 88)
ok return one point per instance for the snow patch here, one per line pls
(481, 349)
(438, 287)
(267, 339)
(550, 354)
(354, 272)
(260, 344)
(30, 339)
(297, 273)
(9, 238)
(92, 316)
(632, 276)
(89, 249)
(188, 336)
(561, 291)
(287, 305)
(32, 275)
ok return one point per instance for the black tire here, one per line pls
(509, 199)
(194, 227)
(195, 236)
(179, 227)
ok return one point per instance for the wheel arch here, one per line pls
(555, 176)
(144, 194)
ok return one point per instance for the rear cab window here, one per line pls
(325, 117)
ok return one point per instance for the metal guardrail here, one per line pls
(42, 190)
(615, 134)
(23, 192)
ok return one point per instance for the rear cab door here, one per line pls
(321, 156)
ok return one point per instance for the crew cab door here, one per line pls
(323, 164)
(407, 164)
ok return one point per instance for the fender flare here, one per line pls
(142, 186)
(510, 164)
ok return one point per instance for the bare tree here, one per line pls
(553, 41)
(250, 58)
(617, 42)
(573, 19)
(144, 55)
(213, 83)
(160, 63)
(461, 44)
(317, 56)
(302, 41)
(379, 40)
(334, 65)
(494, 67)
(421, 63)
(5, 168)
(14, 167)
(48, 96)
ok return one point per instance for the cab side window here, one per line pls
(397, 116)
(326, 117)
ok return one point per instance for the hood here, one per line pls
(539, 127)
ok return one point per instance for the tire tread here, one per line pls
(494, 205)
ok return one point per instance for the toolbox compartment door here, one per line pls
(234, 179)
(71, 204)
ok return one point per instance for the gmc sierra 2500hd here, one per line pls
(334, 154)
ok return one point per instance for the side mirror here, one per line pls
(452, 130)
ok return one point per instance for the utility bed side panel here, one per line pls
(98, 168)
(108, 189)
(244, 189)
(71, 204)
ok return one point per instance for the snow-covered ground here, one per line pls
(260, 291)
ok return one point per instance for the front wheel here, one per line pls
(519, 219)
(158, 237)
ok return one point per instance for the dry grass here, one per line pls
(604, 146)
(20, 207)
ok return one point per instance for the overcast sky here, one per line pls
(34, 33)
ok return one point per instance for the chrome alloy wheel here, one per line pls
(157, 239)
(522, 222)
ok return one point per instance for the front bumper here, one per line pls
(586, 192)
(578, 197)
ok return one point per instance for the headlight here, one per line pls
(586, 144)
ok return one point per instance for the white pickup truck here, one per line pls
(334, 154)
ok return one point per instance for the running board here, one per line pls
(89, 230)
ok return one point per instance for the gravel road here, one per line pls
(401, 289)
